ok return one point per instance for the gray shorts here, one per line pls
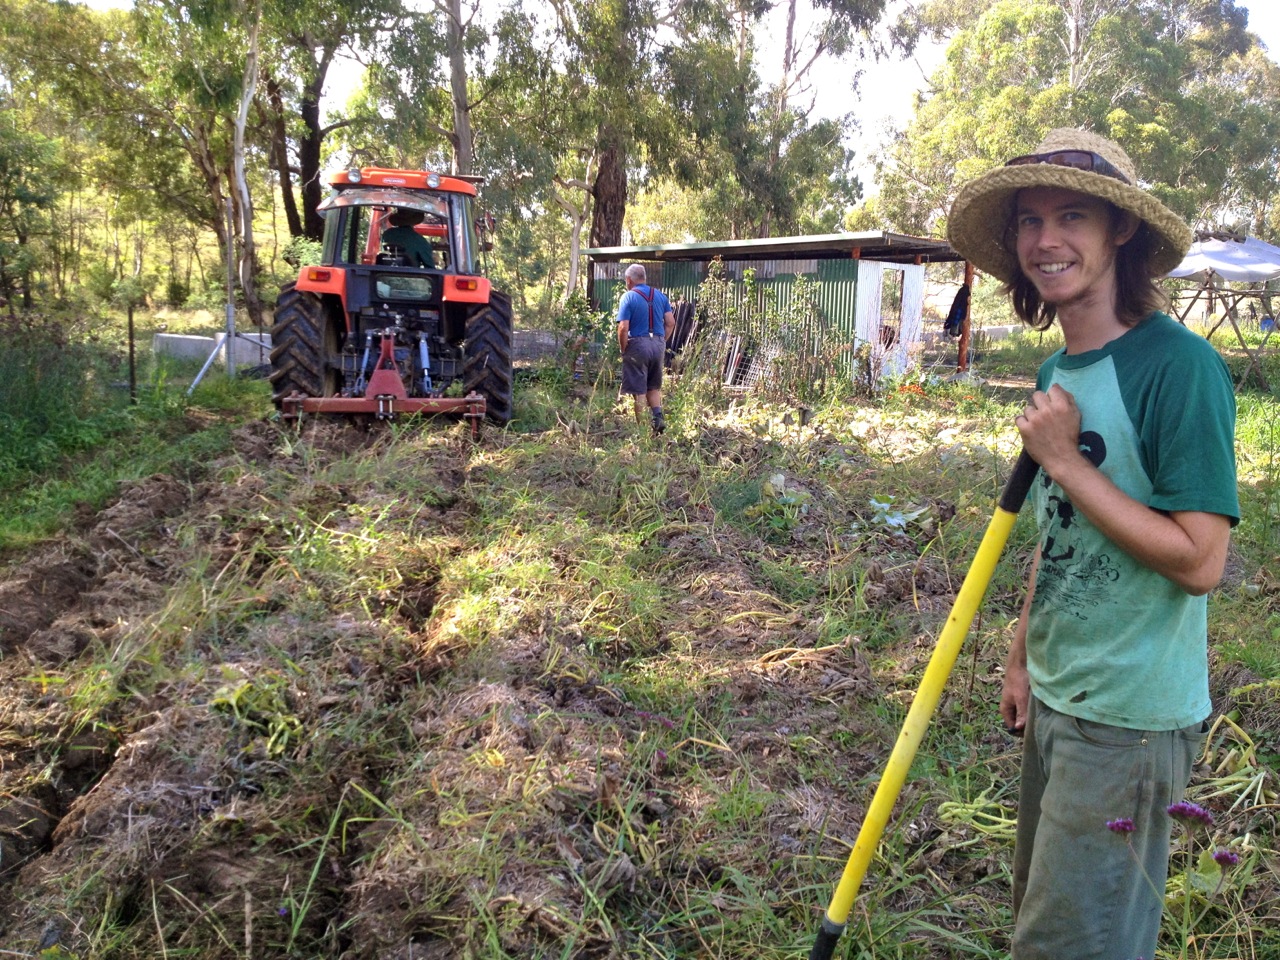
(642, 365)
(1080, 890)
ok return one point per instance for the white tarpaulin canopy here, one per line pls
(1248, 260)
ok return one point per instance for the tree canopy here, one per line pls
(1181, 84)
(593, 121)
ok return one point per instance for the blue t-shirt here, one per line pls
(635, 309)
(1108, 639)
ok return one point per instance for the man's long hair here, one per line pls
(1137, 294)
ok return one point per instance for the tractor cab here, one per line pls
(399, 287)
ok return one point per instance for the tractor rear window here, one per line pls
(399, 286)
(427, 201)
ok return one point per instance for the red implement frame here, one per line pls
(385, 397)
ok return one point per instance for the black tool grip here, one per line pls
(1019, 483)
(825, 943)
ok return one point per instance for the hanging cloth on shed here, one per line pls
(959, 308)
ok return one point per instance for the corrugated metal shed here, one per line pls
(831, 259)
(868, 245)
(834, 261)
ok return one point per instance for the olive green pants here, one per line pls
(1080, 890)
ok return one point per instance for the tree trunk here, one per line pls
(248, 249)
(575, 245)
(26, 273)
(201, 152)
(577, 213)
(318, 57)
(6, 286)
(788, 61)
(609, 191)
(139, 249)
(77, 237)
(57, 245)
(463, 141)
(309, 160)
(280, 157)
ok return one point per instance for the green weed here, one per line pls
(259, 706)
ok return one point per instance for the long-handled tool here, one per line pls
(925, 702)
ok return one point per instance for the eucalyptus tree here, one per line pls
(430, 71)
(568, 106)
(30, 184)
(1180, 83)
(73, 79)
(798, 149)
(674, 89)
(610, 60)
(538, 144)
(754, 150)
(165, 88)
(44, 152)
(306, 37)
(198, 65)
(477, 90)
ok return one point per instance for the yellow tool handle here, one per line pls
(922, 708)
(925, 703)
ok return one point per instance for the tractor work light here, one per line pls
(353, 174)
(433, 180)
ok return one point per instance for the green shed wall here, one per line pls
(677, 280)
(837, 281)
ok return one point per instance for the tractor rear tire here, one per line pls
(303, 346)
(488, 369)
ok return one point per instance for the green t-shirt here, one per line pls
(1109, 640)
(416, 247)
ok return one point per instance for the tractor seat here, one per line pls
(393, 255)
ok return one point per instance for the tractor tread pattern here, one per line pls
(489, 369)
(299, 357)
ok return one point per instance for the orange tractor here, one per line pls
(396, 317)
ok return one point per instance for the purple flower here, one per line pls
(1226, 858)
(282, 912)
(1121, 825)
(1190, 813)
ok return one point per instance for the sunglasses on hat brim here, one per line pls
(1085, 160)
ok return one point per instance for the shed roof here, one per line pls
(867, 245)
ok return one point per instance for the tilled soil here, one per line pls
(133, 805)
(202, 748)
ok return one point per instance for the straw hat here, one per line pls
(983, 210)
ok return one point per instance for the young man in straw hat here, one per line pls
(1132, 425)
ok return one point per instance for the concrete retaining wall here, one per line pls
(1001, 332)
(186, 347)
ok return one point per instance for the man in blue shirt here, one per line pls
(645, 321)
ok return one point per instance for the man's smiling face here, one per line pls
(1066, 245)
